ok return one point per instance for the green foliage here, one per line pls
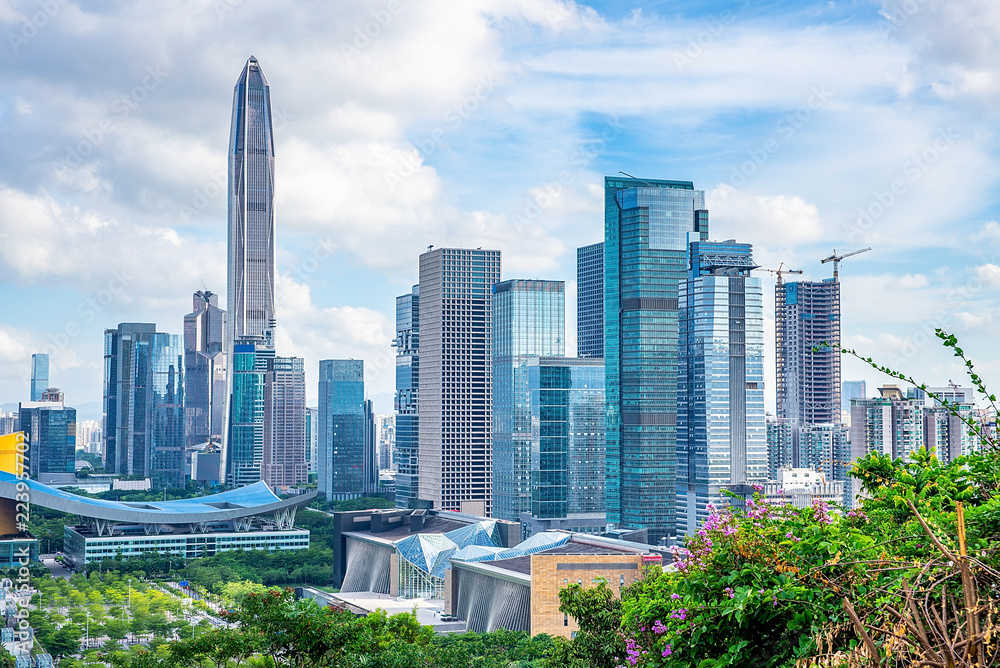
(273, 629)
(279, 568)
(598, 611)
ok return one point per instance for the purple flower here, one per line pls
(729, 592)
(680, 614)
(675, 596)
(667, 651)
(758, 488)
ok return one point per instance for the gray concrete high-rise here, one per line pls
(529, 319)
(456, 378)
(205, 369)
(144, 404)
(284, 462)
(807, 315)
(39, 375)
(590, 300)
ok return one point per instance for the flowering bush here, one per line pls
(750, 588)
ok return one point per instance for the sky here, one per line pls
(811, 126)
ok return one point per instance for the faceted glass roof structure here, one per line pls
(537, 543)
(430, 552)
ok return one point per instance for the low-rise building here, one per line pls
(801, 486)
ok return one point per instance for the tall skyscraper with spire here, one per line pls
(250, 304)
(251, 208)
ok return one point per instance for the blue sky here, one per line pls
(811, 126)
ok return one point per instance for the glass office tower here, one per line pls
(248, 371)
(565, 399)
(50, 432)
(721, 430)
(205, 369)
(144, 404)
(407, 345)
(345, 455)
(529, 318)
(647, 227)
(590, 300)
(39, 375)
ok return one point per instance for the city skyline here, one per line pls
(108, 180)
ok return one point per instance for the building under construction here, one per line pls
(807, 315)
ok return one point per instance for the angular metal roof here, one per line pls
(255, 499)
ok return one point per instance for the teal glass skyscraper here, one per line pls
(39, 375)
(721, 433)
(407, 345)
(346, 434)
(248, 370)
(648, 225)
(565, 403)
(529, 318)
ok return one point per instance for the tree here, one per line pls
(64, 641)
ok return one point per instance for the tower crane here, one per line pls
(835, 259)
(781, 270)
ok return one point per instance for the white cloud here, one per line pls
(990, 231)
(348, 332)
(45, 242)
(910, 282)
(956, 46)
(787, 218)
(989, 274)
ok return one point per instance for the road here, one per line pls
(56, 568)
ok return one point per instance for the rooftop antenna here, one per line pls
(636, 178)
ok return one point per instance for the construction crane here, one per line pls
(781, 270)
(835, 259)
